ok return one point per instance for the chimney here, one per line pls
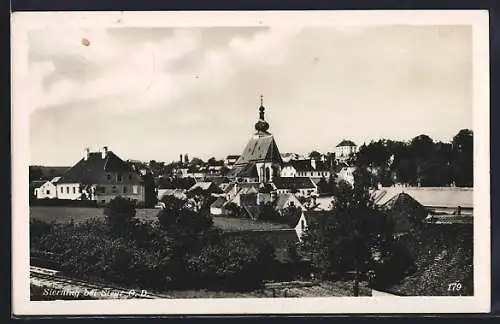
(313, 164)
(86, 154)
(104, 152)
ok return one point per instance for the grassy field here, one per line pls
(80, 214)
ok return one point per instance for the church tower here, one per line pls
(261, 160)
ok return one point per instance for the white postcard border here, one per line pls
(24, 21)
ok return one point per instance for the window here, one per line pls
(135, 189)
(109, 176)
(119, 177)
(79, 190)
(124, 190)
(48, 192)
(113, 190)
(62, 189)
(74, 190)
(67, 190)
(302, 224)
(130, 177)
(103, 201)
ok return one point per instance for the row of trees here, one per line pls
(422, 161)
(180, 250)
(166, 169)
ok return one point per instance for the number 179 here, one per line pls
(454, 286)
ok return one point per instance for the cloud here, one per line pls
(139, 74)
(123, 70)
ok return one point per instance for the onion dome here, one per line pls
(261, 125)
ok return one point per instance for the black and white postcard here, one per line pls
(250, 162)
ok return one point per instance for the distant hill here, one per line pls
(39, 172)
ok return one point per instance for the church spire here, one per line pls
(261, 125)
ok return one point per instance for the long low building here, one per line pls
(443, 204)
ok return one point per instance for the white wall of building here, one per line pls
(70, 191)
(288, 171)
(347, 174)
(105, 193)
(301, 226)
(344, 152)
(48, 190)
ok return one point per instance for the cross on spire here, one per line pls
(261, 100)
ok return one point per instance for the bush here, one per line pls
(183, 251)
(120, 215)
(231, 264)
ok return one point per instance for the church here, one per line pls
(260, 161)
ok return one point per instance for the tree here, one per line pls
(290, 215)
(323, 187)
(177, 217)
(463, 156)
(150, 190)
(197, 161)
(120, 215)
(342, 241)
(224, 171)
(268, 213)
(315, 155)
(234, 209)
(35, 173)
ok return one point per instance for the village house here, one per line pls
(181, 172)
(101, 176)
(230, 160)
(302, 186)
(207, 187)
(47, 190)
(345, 150)
(319, 203)
(306, 168)
(443, 204)
(250, 195)
(287, 157)
(346, 174)
(307, 218)
(177, 193)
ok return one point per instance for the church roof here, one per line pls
(248, 170)
(261, 147)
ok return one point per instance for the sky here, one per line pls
(155, 93)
